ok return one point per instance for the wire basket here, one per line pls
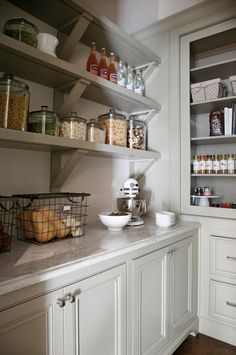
(6, 222)
(46, 217)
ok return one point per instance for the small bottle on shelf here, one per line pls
(130, 78)
(121, 74)
(231, 163)
(138, 83)
(92, 63)
(209, 164)
(112, 75)
(223, 164)
(202, 164)
(102, 66)
(216, 164)
(196, 164)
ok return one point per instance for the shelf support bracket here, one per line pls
(73, 96)
(147, 70)
(141, 174)
(149, 114)
(77, 32)
(59, 173)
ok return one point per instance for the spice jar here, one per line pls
(73, 127)
(116, 127)
(96, 132)
(14, 103)
(136, 134)
(43, 121)
(22, 30)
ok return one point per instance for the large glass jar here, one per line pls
(116, 128)
(73, 127)
(22, 30)
(14, 103)
(43, 121)
(96, 132)
(136, 134)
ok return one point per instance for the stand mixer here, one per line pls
(131, 203)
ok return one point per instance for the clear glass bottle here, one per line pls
(202, 164)
(196, 166)
(14, 103)
(216, 164)
(223, 164)
(22, 30)
(112, 75)
(209, 164)
(121, 74)
(138, 83)
(130, 78)
(102, 66)
(92, 63)
(136, 133)
(96, 132)
(73, 127)
(231, 163)
(43, 121)
(116, 128)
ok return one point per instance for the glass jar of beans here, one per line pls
(136, 134)
(73, 127)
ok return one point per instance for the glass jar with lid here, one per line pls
(14, 103)
(43, 121)
(73, 127)
(96, 132)
(116, 128)
(22, 30)
(136, 133)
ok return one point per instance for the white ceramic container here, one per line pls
(47, 43)
(114, 223)
(165, 219)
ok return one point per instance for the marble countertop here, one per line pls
(26, 261)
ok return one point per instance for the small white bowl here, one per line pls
(165, 219)
(114, 223)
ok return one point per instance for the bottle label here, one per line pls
(209, 166)
(223, 165)
(216, 165)
(93, 69)
(230, 166)
(196, 167)
(104, 73)
(113, 77)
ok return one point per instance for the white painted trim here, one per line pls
(217, 330)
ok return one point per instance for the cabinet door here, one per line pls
(95, 321)
(149, 303)
(34, 327)
(183, 284)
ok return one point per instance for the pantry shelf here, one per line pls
(213, 140)
(214, 175)
(30, 63)
(222, 70)
(208, 106)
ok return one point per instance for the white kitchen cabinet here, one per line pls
(95, 315)
(33, 327)
(164, 296)
(205, 55)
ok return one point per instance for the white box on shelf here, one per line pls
(232, 79)
(208, 90)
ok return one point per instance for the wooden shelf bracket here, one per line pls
(147, 70)
(148, 115)
(142, 173)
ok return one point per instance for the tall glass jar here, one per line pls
(43, 121)
(96, 132)
(116, 127)
(22, 30)
(136, 133)
(73, 127)
(14, 103)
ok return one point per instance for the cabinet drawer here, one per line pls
(223, 256)
(223, 304)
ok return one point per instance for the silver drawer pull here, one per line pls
(231, 258)
(231, 304)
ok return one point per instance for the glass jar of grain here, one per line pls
(116, 127)
(73, 127)
(14, 103)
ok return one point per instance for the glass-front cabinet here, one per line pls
(208, 121)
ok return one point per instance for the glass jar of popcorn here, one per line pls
(73, 127)
(116, 128)
(96, 132)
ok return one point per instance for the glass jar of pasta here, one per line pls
(116, 128)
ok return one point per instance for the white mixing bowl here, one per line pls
(114, 222)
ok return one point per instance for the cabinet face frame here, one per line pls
(185, 137)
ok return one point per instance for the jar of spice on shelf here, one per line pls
(73, 127)
(43, 121)
(14, 103)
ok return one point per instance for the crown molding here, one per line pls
(194, 13)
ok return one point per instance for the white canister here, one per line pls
(47, 43)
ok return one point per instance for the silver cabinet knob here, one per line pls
(61, 302)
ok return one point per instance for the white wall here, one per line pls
(169, 7)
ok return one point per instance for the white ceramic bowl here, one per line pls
(114, 223)
(165, 219)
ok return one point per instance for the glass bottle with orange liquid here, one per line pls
(92, 63)
(102, 66)
(112, 69)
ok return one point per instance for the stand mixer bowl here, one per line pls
(136, 206)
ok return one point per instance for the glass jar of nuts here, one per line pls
(116, 127)
(96, 132)
(14, 103)
(136, 134)
(73, 127)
